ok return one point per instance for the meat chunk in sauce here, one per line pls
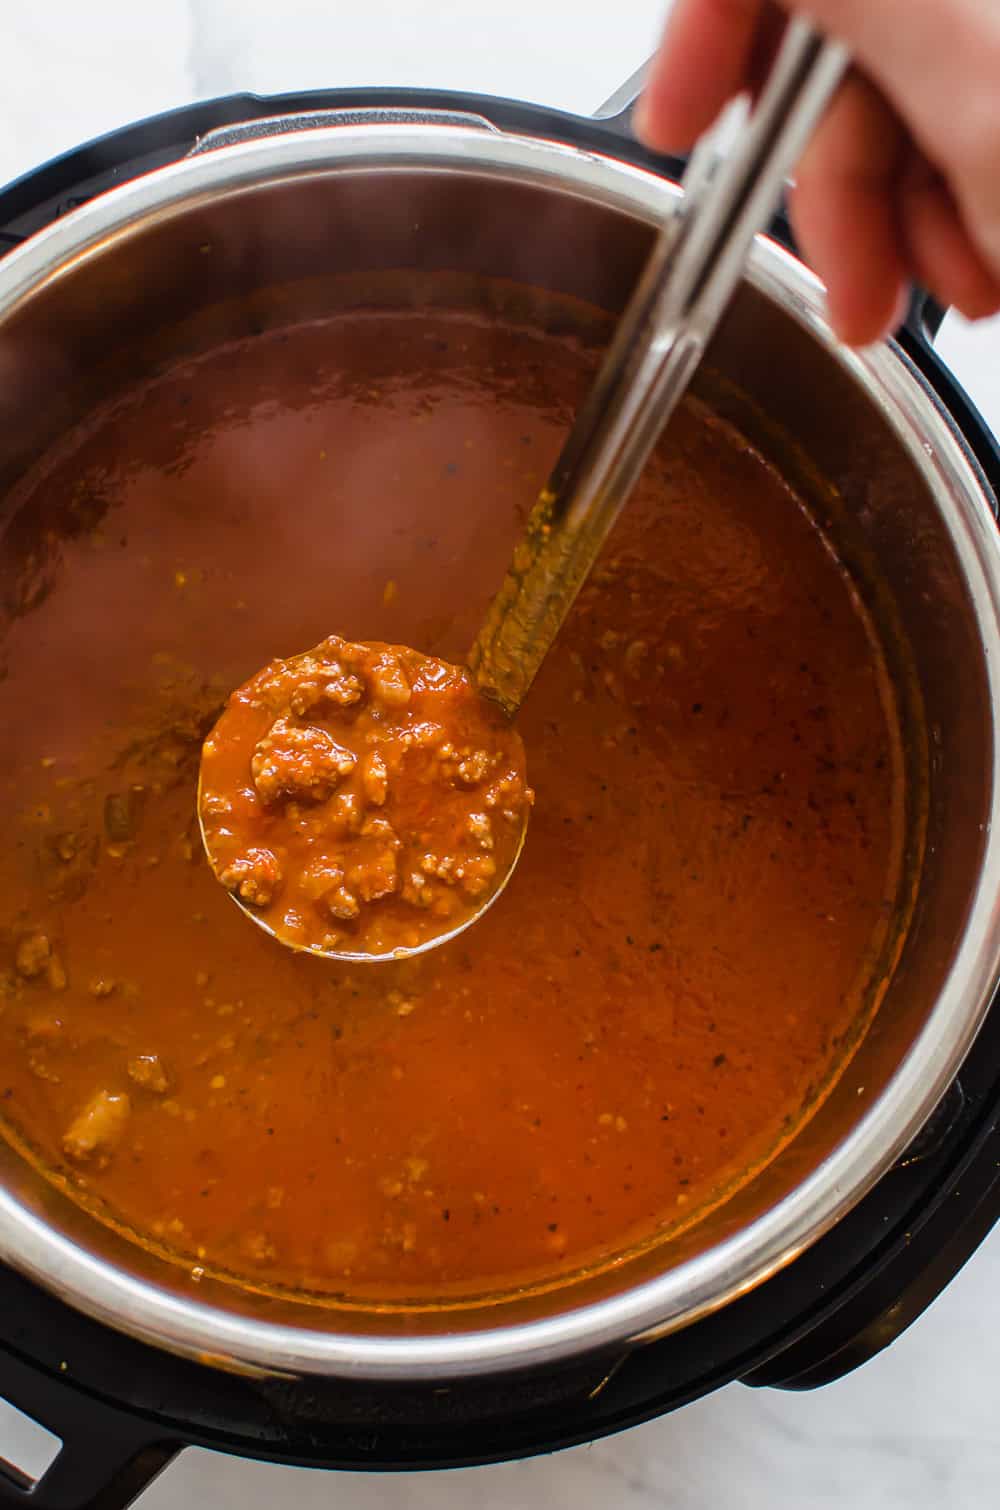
(346, 793)
(33, 954)
(147, 1070)
(96, 1131)
(255, 875)
(296, 761)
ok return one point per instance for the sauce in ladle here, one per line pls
(363, 800)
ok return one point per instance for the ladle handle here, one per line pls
(732, 187)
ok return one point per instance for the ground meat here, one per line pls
(423, 735)
(381, 830)
(466, 766)
(305, 698)
(360, 821)
(258, 1248)
(346, 813)
(475, 876)
(375, 873)
(342, 904)
(389, 686)
(374, 778)
(32, 955)
(440, 866)
(343, 689)
(97, 1130)
(335, 685)
(417, 890)
(292, 761)
(254, 876)
(147, 1070)
(480, 829)
(472, 767)
(509, 795)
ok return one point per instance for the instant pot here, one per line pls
(831, 1287)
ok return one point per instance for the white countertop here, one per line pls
(917, 1428)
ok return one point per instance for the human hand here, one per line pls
(901, 181)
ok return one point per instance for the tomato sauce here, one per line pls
(678, 961)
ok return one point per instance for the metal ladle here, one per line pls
(731, 189)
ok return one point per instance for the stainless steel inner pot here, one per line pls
(109, 291)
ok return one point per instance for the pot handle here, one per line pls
(314, 120)
(615, 113)
(107, 1456)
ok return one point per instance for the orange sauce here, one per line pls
(712, 863)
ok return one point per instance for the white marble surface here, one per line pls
(918, 1427)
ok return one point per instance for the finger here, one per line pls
(843, 211)
(706, 57)
(940, 252)
(899, 44)
(708, 43)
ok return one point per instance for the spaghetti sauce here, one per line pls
(686, 944)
